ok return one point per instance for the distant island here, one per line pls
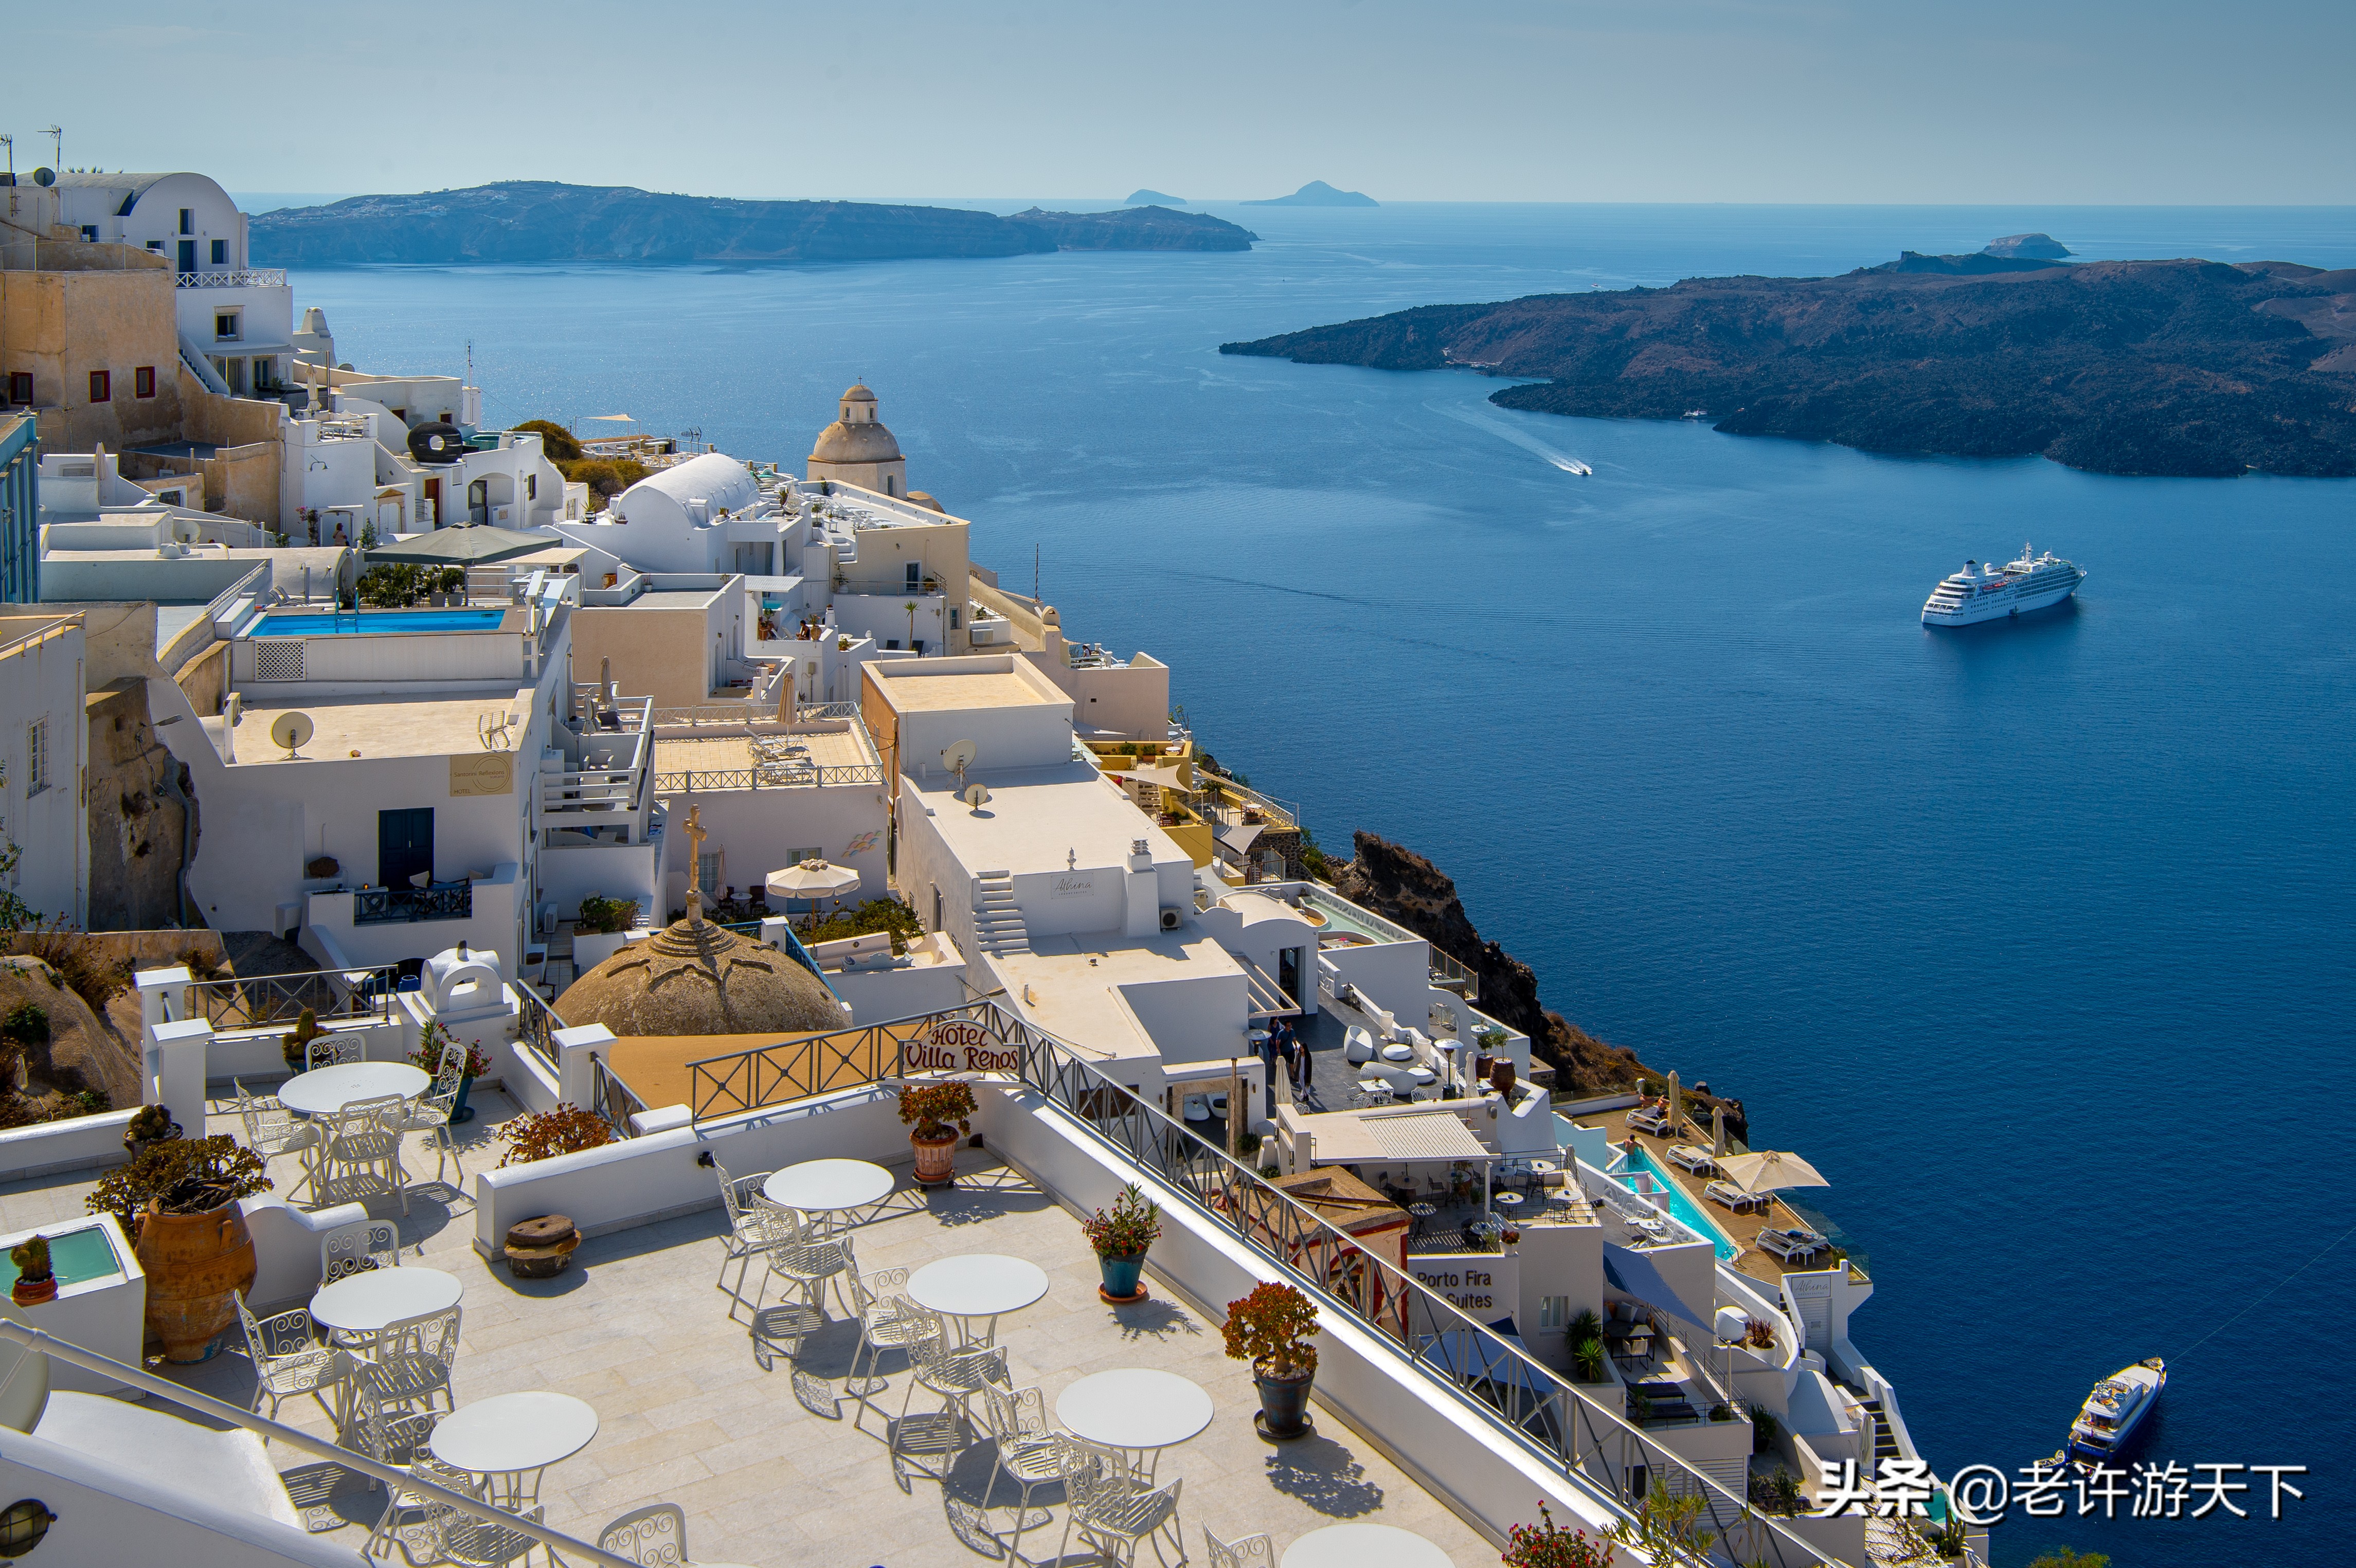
(1317, 193)
(1154, 198)
(2150, 368)
(539, 222)
(2036, 247)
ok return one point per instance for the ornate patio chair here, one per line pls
(451, 1535)
(271, 1129)
(288, 1359)
(333, 1050)
(358, 1140)
(1243, 1552)
(413, 1362)
(885, 1323)
(747, 1226)
(654, 1536)
(356, 1248)
(402, 1440)
(430, 1113)
(1030, 1450)
(796, 1254)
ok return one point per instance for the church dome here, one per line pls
(864, 442)
(858, 394)
(695, 977)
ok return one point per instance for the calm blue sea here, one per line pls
(2035, 938)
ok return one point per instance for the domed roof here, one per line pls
(863, 443)
(858, 394)
(695, 977)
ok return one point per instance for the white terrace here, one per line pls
(1424, 1422)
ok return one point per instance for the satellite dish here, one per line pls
(290, 731)
(958, 757)
(975, 797)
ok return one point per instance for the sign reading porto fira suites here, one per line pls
(960, 1045)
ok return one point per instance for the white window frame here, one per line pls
(37, 756)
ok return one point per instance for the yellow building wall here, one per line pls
(62, 324)
(656, 653)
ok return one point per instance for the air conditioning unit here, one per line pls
(983, 633)
(1169, 920)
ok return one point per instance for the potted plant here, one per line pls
(35, 1281)
(149, 1125)
(180, 1199)
(1120, 1239)
(1586, 1338)
(1270, 1328)
(938, 1115)
(427, 1058)
(295, 1045)
(544, 1134)
(1547, 1544)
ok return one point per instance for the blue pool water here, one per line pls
(1687, 1211)
(2015, 933)
(283, 624)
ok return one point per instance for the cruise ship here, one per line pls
(1984, 591)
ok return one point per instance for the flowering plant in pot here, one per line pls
(1547, 1544)
(35, 1280)
(1120, 1239)
(938, 1115)
(1270, 1328)
(180, 1200)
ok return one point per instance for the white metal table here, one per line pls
(324, 1090)
(977, 1284)
(1137, 1410)
(511, 1436)
(366, 1301)
(828, 1186)
(1364, 1546)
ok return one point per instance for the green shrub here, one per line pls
(27, 1024)
(602, 916)
(557, 443)
(874, 916)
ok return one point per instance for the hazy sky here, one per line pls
(1998, 100)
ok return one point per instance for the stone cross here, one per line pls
(696, 834)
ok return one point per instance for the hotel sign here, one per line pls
(1073, 885)
(960, 1045)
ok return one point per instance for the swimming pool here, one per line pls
(297, 624)
(1683, 1209)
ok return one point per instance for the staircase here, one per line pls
(997, 924)
(1885, 1445)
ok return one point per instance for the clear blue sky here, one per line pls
(1748, 100)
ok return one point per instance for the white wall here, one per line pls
(110, 1514)
(755, 829)
(41, 684)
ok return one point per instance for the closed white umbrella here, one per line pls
(1771, 1171)
(813, 880)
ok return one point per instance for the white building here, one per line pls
(43, 747)
(239, 319)
(857, 449)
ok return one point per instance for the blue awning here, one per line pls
(1633, 1272)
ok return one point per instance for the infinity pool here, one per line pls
(285, 624)
(1682, 1207)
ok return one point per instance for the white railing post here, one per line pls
(163, 994)
(575, 1083)
(175, 1070)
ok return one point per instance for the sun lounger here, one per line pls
(1694, 1158)
(1646, 1120)
(1790, 1244)
(1734, 1198)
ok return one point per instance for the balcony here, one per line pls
(394, 906)
(244, 278)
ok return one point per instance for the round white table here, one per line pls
(828, 1186)
(325, 1090)
(510, 1436)
(1364, 1546)
(1137, 1410)
(977, 1284)
(364, 1303)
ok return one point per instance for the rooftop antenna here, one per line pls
(1034, 572)
(10, 142)
(56, 147)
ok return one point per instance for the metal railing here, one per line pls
(536, 1027)
(737, 714)
(605, 791)
(1523, 1400)
(244, 278)
(799, 1069)
(391, 906)
(612, 1098)
(342, 995)
(781, 775)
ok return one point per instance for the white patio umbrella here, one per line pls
(1771, 1171)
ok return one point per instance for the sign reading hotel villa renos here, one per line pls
(960, 1045)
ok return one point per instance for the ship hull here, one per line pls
(1998, 606)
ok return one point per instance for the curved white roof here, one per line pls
(722, 481)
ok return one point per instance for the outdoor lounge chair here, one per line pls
(1790, 1244)
(1734, 1198)
(1693, 1157)
(1645, 1119)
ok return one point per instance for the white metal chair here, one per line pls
(430, 1112)
(356, 1248)
(1243, 1552)
(1100, 1489)
(451, 1535)
(957, 1375)
(288, 1359)
(402, 1440)
(1030, 1450)
(413, 1362)
(654, 1536)
(885, 1323)
(747, 1226)
(360, 1138)
(333, 1050)
(795, 1254)
(271, 1129)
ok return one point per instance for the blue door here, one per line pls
(404, 846)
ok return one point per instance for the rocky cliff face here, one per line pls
(1401, 885)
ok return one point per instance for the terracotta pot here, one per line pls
(936, 1160)
(30, 1292)
(196, 1264)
